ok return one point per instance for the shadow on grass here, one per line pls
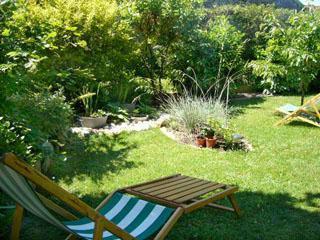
(94, 156)
(312, 200)
(265, 216)
(301, 124)
(239, 105)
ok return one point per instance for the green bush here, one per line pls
(47, 116)
(13, 138)
(67, 45)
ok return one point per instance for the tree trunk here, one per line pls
(302, 93)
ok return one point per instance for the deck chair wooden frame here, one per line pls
(188, 204)
(298, 114)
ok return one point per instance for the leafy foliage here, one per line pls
(47, 115)
(59, 44)
(12, 138)
(44, 119)
(161, 28)
(291, 57)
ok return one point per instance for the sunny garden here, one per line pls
(99, 95)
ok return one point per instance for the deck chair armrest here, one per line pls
(69, 199)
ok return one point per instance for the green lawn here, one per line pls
(279, 181)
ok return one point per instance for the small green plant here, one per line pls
(201, 133)
(209, 131)
(99, 113)
(117, 113)
(223, 133)
(89, 103)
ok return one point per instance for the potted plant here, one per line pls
(200, 138)
(92, 118)
(96, 120)
(210, 138)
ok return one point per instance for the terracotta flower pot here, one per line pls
(201, 142)
(211, 142)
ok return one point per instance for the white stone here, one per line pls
(123, 127)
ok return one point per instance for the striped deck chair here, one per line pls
(308, 112)
(121, 215)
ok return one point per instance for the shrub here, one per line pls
(14, 138)
(47, 115)
(191, 111)
(65, 44)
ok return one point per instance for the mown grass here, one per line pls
(279, 181)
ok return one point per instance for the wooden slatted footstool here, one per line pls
(187, 193)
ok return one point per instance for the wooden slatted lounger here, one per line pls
(308, 112)
(143, 211)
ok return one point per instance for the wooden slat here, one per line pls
(153, 198)
(152, 181)
(211, 186)
(171, 186)
(198, 193)
(158, 183)
(201, 203)
(183, 189)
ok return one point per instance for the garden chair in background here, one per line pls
(308, 112)
(159, 205)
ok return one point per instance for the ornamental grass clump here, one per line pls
(189, 112)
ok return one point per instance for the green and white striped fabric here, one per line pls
(138, 217)
(288, 108)
(19, 189)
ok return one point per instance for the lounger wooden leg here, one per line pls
(17, 222)
(234, 204)
(98, 230)
(285, 120)
(168, 226)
